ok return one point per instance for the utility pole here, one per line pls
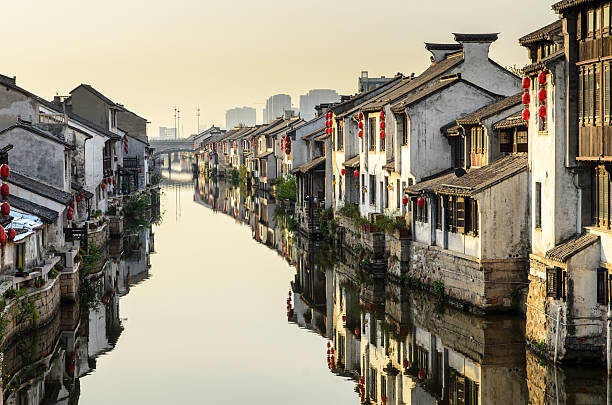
(178, 121)
(198, 114)
(175, 123)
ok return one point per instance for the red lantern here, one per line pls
(356, 331)
(81, 196)
(332, 352)
(343, 172)
(360, 125)
(404, 200)
(11, 234)
(542, 111)
(5, 171)
(356, 173)
(382, 134)
(343, 318)
(542, 78)
(328, 345)
(526, 82)
(360, 116)
(70, 214)
(139, 170)
(328, 352)
(421, 374)
(114, 182)
(2, 234)
(526, 114)
(5, 208)
(78, 198)
(103, 185)
(4, 190)
(405, 363)
(421, 201)
(526, 98)
(361, 134)
(382, 115)
(542, 95)
(382, 125)
(71, 204)
(361, 380)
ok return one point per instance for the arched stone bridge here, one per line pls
(169, 146)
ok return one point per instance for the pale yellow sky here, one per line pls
(152, 55)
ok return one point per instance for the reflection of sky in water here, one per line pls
(210, 326)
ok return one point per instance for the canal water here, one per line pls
(221, 302)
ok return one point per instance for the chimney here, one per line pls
(439, 52)
(476, 46)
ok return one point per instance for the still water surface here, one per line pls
(199, 313)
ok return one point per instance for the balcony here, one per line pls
(131, 163)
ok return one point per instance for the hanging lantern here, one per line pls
(542, 95)
(343, 172)
(81, 196)
(421, 202)
(71, 204)
(2, 234)
(360, 125)
(11, 234)
(328, 345)
(78, 198)
(421, 374)
(526, 98)
(103, 185)
(361, 134)
(356, 173)
(404, 200)
(4, 190)
(382, 134)
(328, 352)
(343, 318)
(405, 363)
(356, 331)
(360, 116)
(5, 171)
(526, 83)
(5, 208)
(70, 214)
(542, 111)
(382, 125)
(542, 78)
(526, 114)
(382, 115)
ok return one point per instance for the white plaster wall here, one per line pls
(547, 165)
(504, 219)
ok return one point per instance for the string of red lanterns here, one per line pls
(542, 80)
(5, 208)
(526, 99)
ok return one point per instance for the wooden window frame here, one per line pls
(555, 283)
(372, 133)
(603, 286)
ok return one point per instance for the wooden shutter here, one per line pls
(602, 286)
(581, 95)
(554, 287)
(468, 215)
(474, 211)
(460, 215)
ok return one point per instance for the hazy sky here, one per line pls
(152, 55)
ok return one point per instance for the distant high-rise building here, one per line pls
(367, 83)
(245, 116)
(276, 107)
(167, 133)
(309, 101)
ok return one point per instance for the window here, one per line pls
(372, 189)
(372, 132)
(387, 192)
(398, 195)
(606, 98)
(421, 212)
(478, 140)
(362, 192)
(383, 386)
(581, 96)
(471, 216)
(591, 23)
(460, 214)
(555, 283)
(538, 205)
(20, 256)
(340, 135)
(606, 18)
(373, 391)
(602, 286)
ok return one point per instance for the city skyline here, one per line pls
(156, 49)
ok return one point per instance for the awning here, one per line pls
(352, 162)
(313, 164)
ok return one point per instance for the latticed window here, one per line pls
(603, 286)
(554, 283)
(600, 200)
(372, 133)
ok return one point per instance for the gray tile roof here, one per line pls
(561, 253)
(407, 86)
(513, 121)
(544, 63)
(565, 4)
(543, 34)
(443, 47)
(492, 109)
(44, 213)
(479, 179)
(315, 132)
(476, 37)
(81, 189)
(39, 188)
(38, 131)
(428, 184)
(352, 162)
(352, 104)
(313, 164)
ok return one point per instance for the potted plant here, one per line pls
(20, 272)
(10, 293)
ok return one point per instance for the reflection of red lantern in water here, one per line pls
(356, 331)
(421, 374)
